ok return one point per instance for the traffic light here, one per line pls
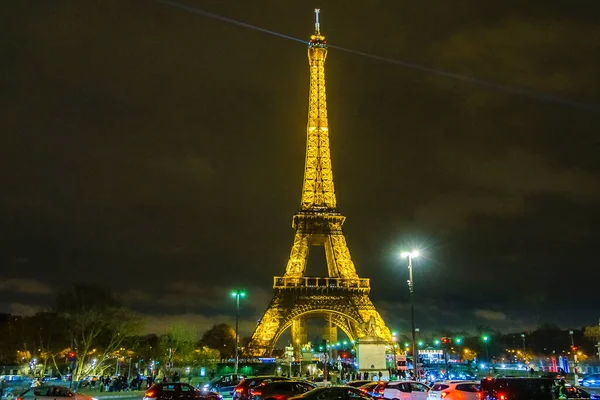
(458, 340)
(72, 356)
(446, 341)
(574, 349)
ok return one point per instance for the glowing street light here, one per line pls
(486, 339)
(237, 294)
(410, 256)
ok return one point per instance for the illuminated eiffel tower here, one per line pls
(342, 297)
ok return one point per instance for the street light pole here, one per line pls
(574, 349)
(237, 294)
(411, 289)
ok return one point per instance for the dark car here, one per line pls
(592, 380)
(243, 388)
(333, 393)
(224, 385)
(280, 390)
(526, 388)
(178, 391)
(357, 384)
(370, 388)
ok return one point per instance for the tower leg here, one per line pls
(330, 333)
(299, 336)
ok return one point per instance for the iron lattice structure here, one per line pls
(342, 297)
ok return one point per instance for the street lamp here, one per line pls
(237, 293)
(574, 349)
(486, 339)
(410, 256)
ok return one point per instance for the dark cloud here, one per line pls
(160, 153)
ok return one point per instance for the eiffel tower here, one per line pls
(342, 297)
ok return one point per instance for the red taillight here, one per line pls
(20, 398)
(380, 391)
(362, 390)
(443, 394)
(502, 396)
(256, 393)
(239, 390)
(150, 393)
(479, 396)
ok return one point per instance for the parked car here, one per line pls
(370, 388)
(592, 380)
(280, 390)
(52, 392)
(357, 384)
(320, 381)
(242, 390)
(405, 390)
(526, 388)
(455, 390)
(177, 391)
(333, 393)
(224, 385)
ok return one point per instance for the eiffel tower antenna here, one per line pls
(341, 297)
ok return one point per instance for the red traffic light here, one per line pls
(574, 348)
(72, 356)
(446, 340)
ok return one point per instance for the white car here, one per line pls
(405, 390)
(455, 390)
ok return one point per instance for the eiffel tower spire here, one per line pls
(317, 189)
(342, 297)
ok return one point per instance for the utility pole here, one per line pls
(574, 350)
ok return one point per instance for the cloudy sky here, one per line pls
(160, 152)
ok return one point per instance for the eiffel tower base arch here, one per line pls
(344, 302)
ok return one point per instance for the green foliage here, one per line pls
(220, 337)
(592, 333)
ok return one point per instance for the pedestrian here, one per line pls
(561, 389)
(3, 387)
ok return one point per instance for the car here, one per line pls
(401, 390)
(332, 393)
(592, 380)
(224, 385)
(242, 390)
(178, 391)
(517, 388)
(357, 384)
(320, 381)
(280, 390)
(370, 388)
(455, 390)
(47, 392)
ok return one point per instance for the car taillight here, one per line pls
(502, 396)
(443, 394)
(20, 398)
(150, 393)
(380, 391)
(479, 396)
(256, 393)
(239, 390)
(364, 390)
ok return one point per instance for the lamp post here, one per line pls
(410, 256)
(486, 339)
(237, 293)
(574, 349)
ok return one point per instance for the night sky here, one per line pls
(160, 153)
